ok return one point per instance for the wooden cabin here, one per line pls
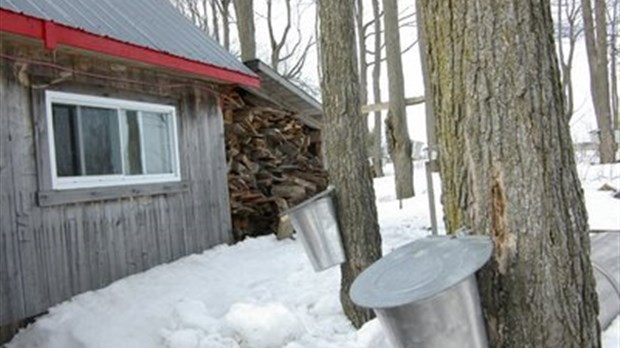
(112, 155)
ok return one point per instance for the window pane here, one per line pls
(66, 140)
(131, 142)
(157, 142)
(100, 140)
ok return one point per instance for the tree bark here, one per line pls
(399, 144)
(428, 106)
(507, 168)
(377, 153)
(245, 26)
(344, 134)
(596, 46)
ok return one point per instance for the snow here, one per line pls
(611, 336)
(260, 293)
(603, 212)
(263, 326)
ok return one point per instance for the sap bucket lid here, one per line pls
(420, 270)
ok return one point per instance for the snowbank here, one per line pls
(260, 293)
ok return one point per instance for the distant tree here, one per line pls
(215, 21)
(375, 150)
(595, 27)
(569, 29)
(507, 168)
(244, 10)
(198, 11)
(377, 153)
(397, 131)
(361, 51)
(344, 133)
(614, 57)
(224, 9)
(373, 58)
(277, 44)
(286, 58)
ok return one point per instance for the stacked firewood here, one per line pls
(273, 164)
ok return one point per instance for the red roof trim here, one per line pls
(49, 35)
(53, 34)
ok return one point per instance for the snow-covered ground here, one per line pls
(260, 293)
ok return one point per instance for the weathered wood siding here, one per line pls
(49, 253)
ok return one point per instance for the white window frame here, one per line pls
(91, 181)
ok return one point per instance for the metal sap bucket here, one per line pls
(317, 226)
(425, 293)
(605, 258)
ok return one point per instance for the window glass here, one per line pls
(132, 156)
(65, 140)
(105, 142)
(156, 138)
(100, 141)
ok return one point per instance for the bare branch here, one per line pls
(409, 24)
(292, 50)
(371, 22)
(277, 45)
(295, 71)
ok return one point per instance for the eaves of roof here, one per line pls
(54, 34)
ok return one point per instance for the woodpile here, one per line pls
(273, 163)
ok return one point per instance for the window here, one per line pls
(98, 141)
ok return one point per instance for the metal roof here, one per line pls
(154, 24)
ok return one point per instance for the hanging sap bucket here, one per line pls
(605, 258)
(425, 293)
(316, 224)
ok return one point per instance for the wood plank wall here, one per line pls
(48, 254)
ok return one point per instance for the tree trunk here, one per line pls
(205, 17)
(428, 106)
(245, 26)
(596, 46)
(613, 42)
(226, 22)
(397, 132)
(216, 24)
(361, 43)
(363, 66)
(566, 59)
(377, 153)
(344, 134)
(507, 168)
